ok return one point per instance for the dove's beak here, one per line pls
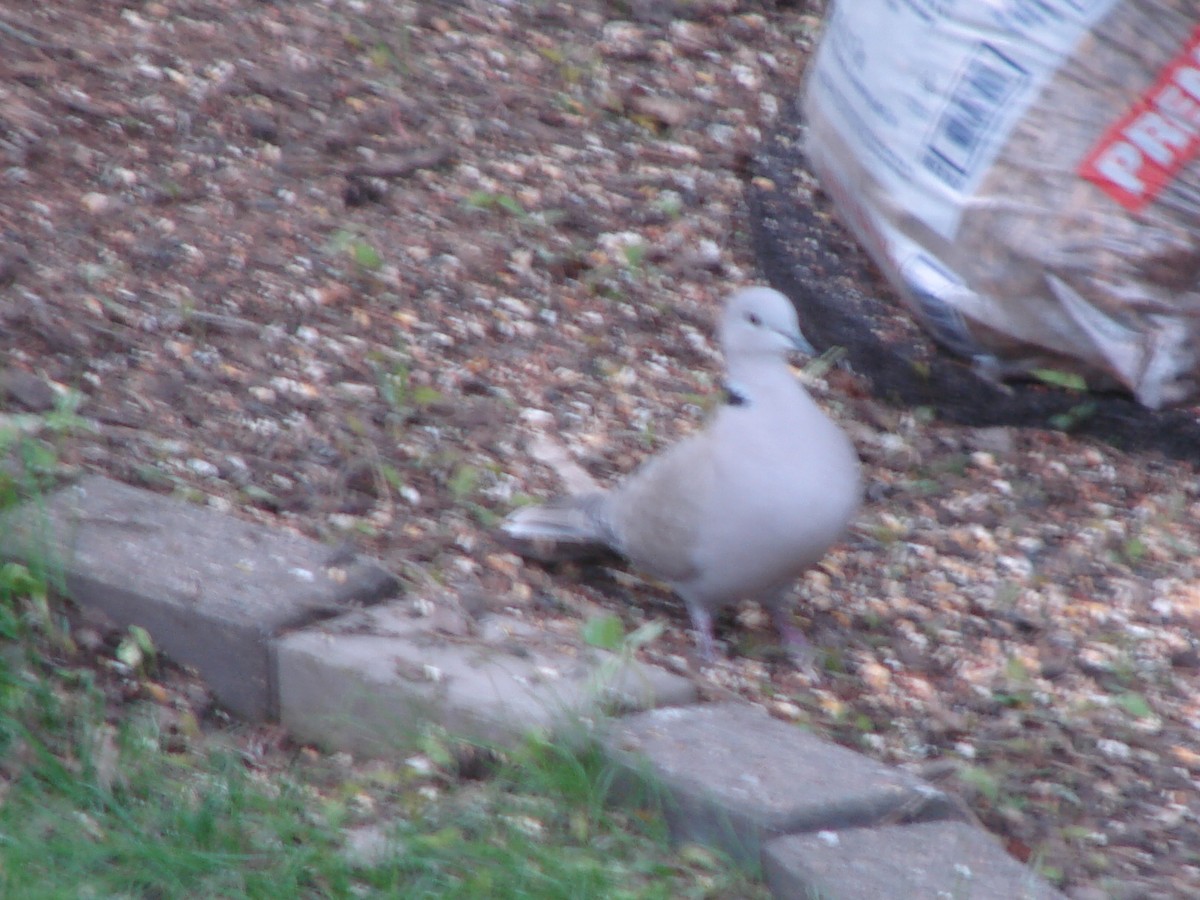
(801, 345)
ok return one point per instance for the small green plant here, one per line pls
(605, 631)
(669, 203)
(1135, 705)
(924, 415)
(569, 104)
(1072, 383)
(648, 436)
(364, 255)
(16, 581)
(1052, 874)
(635, 255)
(984, 782)
(136, 650)
(1017, 691)
(833, 661)
(1068, 381)
(348, 242)
(486, 200)
(888, 531)
(1133, 551)
(391, 476)
(863, 723)
(382, 56)
(568, 72)
(30, 443)
(400, 394)
(1074, 417)
(464, 482)
(818, 366)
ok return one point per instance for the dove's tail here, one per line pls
(566, 528)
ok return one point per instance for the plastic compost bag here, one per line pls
(1025, 173)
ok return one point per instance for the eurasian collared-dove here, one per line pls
(737, 510)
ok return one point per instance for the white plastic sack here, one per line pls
(1025, 173)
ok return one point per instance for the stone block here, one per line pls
(728, 775)
(212, 590)
(934, 859)
(369, 681)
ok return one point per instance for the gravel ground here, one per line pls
(335, 265)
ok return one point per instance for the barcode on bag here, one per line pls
(988, 80)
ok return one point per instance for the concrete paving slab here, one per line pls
(369, 681)
(936, 859)
(729, 775)
(211, 590)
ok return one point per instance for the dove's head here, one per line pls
(760, 322)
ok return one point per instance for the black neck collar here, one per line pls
(733, 396)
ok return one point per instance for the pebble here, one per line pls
(96, 203)
(691, 38)
(203, 468)
(1113, 749)
(351, 390)
(623, 40)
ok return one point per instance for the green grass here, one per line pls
(97, 809)
(99, 798)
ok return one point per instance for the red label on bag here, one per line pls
(1140, 154)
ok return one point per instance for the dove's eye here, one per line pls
(753, 319)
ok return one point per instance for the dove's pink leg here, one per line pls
(703, 626)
